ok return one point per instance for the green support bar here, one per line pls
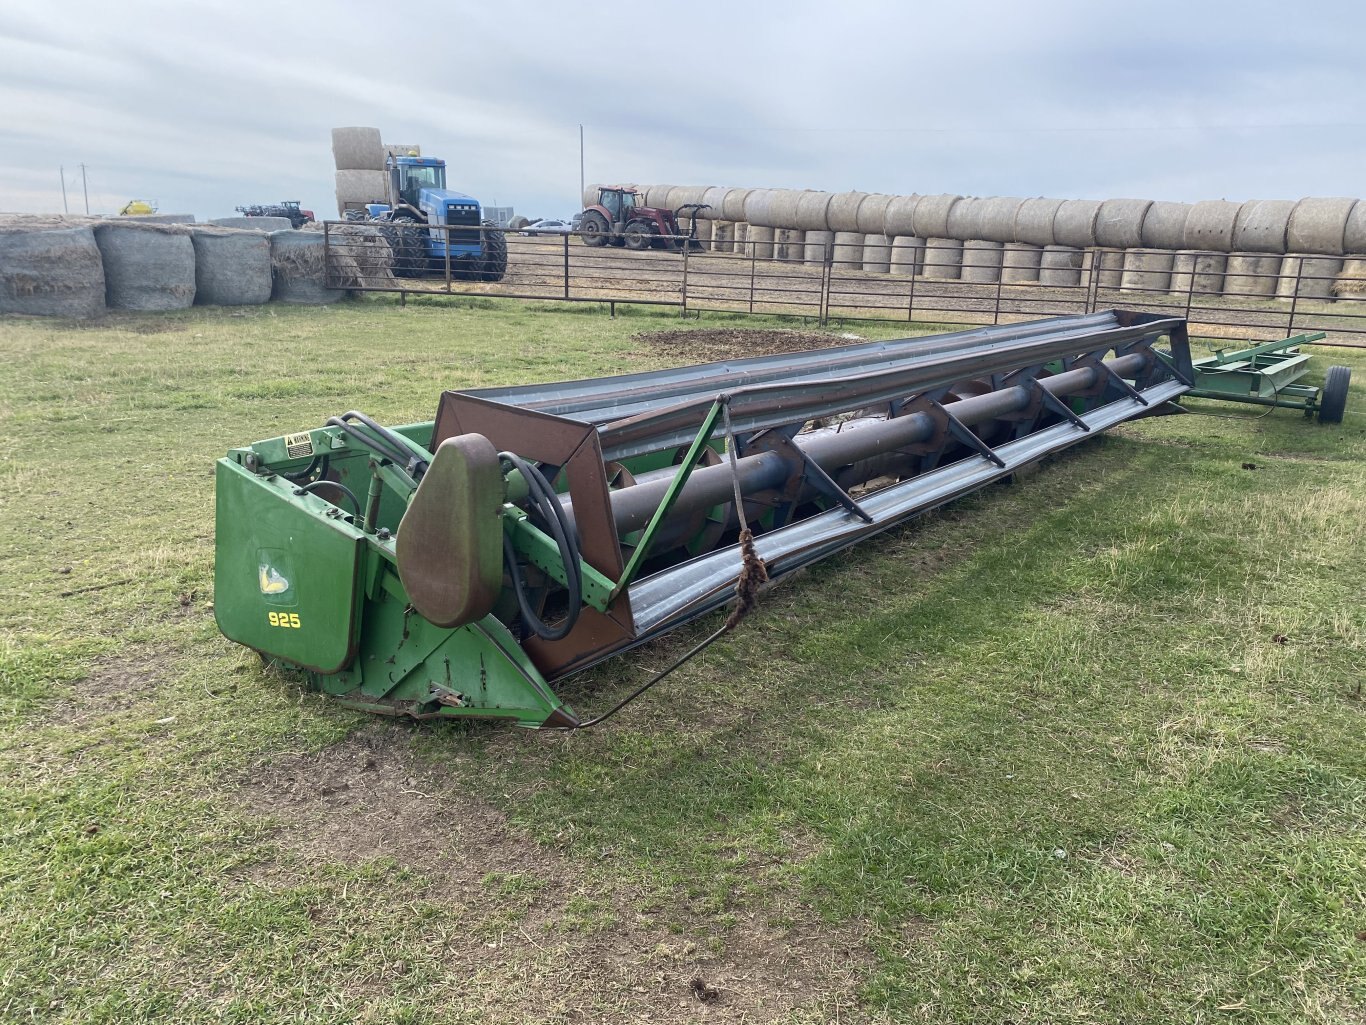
(699, 445)
(1222, 356)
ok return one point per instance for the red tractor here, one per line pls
(620, 218)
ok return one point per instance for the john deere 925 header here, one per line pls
(461, 567)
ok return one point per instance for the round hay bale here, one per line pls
(1119, 225)
(813, 211)
(899, 221)
(740, 233)
(818, 244)
(1147, 270)
(722, 237)
(356, 188)
(1197, 274)
(1164, 225)
(981, 262)
(1251, 276)
(848, 250)
(656, 196)
(52, 273)
(1210, 224)
(908, 255)
(965, 219)
(253, 223)
(159, 218)
(760, 241)
(733, 206)
(1319, 226)
(357, 149)
(1262, 224)
(299, 269)
(1308, 277)
(872, 214)
(877, 254)
(997, 218)
(1020, 263)
(930, 218)
(715, 200)
(759, 207)
(842, 214)
(147, 266)
(789, 245)
(1350, 285)
(232, 268)
(1034, 221)
(943, 258)
(1108, 266)
(704, 229)
(1060, 267)
(1354, 236)
(360, 256)
(1074, 224)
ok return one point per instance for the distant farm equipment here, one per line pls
(288, 209)
(138, 208)
(620, 218)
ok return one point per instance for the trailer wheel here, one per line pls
(593, 229)
(638, 235)
(494, 263)
(1334, 395)
(410, 247)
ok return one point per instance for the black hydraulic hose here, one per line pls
(395, 449)
(355, 503)
(319, 463)
(547, 504)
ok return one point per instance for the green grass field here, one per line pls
(1088, 748)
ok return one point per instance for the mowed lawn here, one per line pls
(1087, 748)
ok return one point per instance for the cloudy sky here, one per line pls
(205, 105)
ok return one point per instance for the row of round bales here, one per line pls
(1256, 248)
(82, 271)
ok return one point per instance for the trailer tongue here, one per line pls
(461, 567)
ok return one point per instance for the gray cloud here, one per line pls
(203, 106)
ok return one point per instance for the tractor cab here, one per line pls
(411, 176)
(621, 204)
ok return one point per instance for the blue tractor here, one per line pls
(418, 199)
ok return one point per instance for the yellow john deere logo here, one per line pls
(272, 582)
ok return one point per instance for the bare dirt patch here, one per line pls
(112, 687)
(706, 345)
(558, 936)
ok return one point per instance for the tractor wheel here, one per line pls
(593, 229)
(638, 235)
(356, 215)
(1333, 398)
(494, 263)
(409, 243)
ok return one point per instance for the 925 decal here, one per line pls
(289, 620)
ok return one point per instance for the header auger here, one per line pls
(462, 566)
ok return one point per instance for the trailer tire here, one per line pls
(410, 248)
(494, 263)
(1334, 395)
(638, 235)
(593, 229)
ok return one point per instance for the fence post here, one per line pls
(910, 301)
(1295, 297)
(483, 241)
(827, 272)
(752, 262)
(1190, 287)
(1092, 280)
(1000, 278)
(327, 254)
(566, 264)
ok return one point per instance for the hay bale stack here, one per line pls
(1251, 276)
(813, 210)
(899, 220)
(1197, 274)
(733, 206)
(357, 149)
(929, 217)
(1308, 277)
(400, 149)
(817, 245)
(1164, 225)
(355, 188)
(1108, 265)
(997, 218)
(1147, 270)
(655, 195)
(253, 223)
(232, 267)
(842, 213)
(965, 219)
(1261, 225)
(722, 236)
(848, 251)
(872, 213)
(147, 266)
(160, 218)
(299, 270)
(1319, 225)
(1210, 224)
(53, 273)
(789, 245)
